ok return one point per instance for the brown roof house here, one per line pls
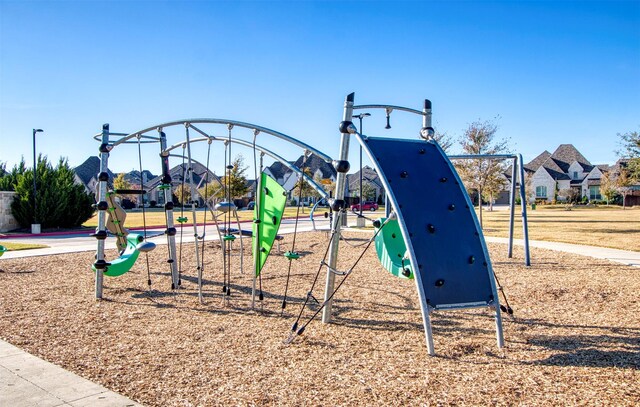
(565, 169)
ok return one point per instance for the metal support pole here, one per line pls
(336, 224)
(512, 205)
(523, 199)
(168, 207)
(256, 238)
(192, 188)
(102, 211)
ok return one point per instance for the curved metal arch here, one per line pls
(261, 129)
(270, 153)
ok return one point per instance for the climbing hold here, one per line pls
(443, 179)
(472, 259)
(431, 228)
(274, 220)
(337, 204)
(101, 265)
(439, 283)
(452, 207)
(100, 235)
(182, 219)
(292, 255)
(404, 174)
(342, 166)
(422, 151)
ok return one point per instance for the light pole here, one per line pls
(360, 117)
(35, 228)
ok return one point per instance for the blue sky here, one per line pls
(554, 72)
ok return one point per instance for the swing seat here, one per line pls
(225, 207)
(391, 249)
(2, 250)
(146, 247)
(127, 259)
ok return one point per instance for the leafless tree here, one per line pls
(482, 174)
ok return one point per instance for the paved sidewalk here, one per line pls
(626, 257)
(26, 381)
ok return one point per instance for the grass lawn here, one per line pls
(594, 226)
(22, 246)
(155, 216)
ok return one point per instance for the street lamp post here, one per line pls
(360, 220)
(35, 227)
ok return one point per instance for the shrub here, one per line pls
(61, 202)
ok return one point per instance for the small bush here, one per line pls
(61, 202)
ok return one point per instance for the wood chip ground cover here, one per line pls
(575, 338)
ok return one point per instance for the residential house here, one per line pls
(316, 166)
(86, 174)
(369, 177)
(201, 175)
(554, 175)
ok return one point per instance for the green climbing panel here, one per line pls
(391, 250)
(2, 250)
(127, 259)
(272, 201)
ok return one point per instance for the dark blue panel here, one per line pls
(453, 264)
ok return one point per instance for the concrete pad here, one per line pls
(17, 392)
(26, 380)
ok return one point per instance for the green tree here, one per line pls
(61, 202)
(121, 183)
(368, 191)
(608, 186)
(630, 142)
(183, 194)
(211, 191)
(9, 180)
(234, 180)
(623, 185)
(481, 174)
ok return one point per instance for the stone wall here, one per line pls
(7, 222)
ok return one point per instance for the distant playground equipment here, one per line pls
(109, 140)
(430, 232)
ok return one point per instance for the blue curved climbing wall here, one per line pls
(437, 221)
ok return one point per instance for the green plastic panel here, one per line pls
(272, 201)
(2, 250)
(126, 260)
(391, 249)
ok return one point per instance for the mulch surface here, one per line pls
(575, 338)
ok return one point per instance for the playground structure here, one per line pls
(430, 233)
